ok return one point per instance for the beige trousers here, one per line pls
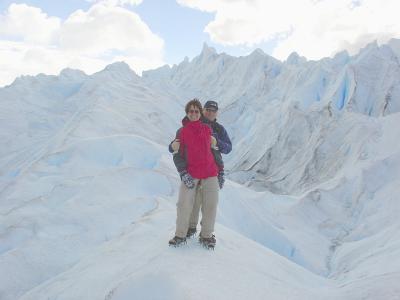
(198, 200)
(207, 188)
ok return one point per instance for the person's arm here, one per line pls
(218, 158)
(179, 156)
(170, 149)
(180, 162)
(223, 141)
(181, 165)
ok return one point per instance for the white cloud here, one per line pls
(104, 28)
(18, 58)
(30, 24)
(313, 28)
(117, 2)
(32, 43)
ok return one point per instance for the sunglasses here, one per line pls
(194, 111)
(211, 110)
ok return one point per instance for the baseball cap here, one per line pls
(211, 105)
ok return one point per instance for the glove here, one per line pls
(214, 143)
(187, 179)
(221, 179)
(175, 145)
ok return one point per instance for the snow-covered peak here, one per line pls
(119, 66)
(294, 59)
(258, 52)
(29, 79)
(72, 74)
(369, 50)
(341, 58)
(45, 89)
(207, 50)
(395, 45)
(205, 55)
(370, 46)
(117, 71)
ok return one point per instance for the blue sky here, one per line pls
(180, 27)
(57, 8)
(49, 35)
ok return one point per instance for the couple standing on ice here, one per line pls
(197, 156)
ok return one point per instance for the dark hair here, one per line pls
(196, 103)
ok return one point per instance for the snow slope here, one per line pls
(88, 188)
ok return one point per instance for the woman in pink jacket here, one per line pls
(195, 146)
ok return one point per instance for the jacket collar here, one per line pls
(186, 121)
(207, 121)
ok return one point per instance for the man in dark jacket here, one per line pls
(210, 112)
(221, 144)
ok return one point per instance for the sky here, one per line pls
(46, 36)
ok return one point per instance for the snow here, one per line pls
(310, 209)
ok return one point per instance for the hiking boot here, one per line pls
(191, 232)
(208, 243)
(177, 241)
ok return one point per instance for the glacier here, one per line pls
(309, 211)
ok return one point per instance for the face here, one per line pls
(210, 114)
(193, 113)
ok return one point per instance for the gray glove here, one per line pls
(187, 179)
(221, 179)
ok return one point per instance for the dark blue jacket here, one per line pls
(223, 141)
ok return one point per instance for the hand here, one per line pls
(213, 142)
(175, 145)
(187, 179)
(221, 179)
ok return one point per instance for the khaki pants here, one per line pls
(207, 188)
(198, 200)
